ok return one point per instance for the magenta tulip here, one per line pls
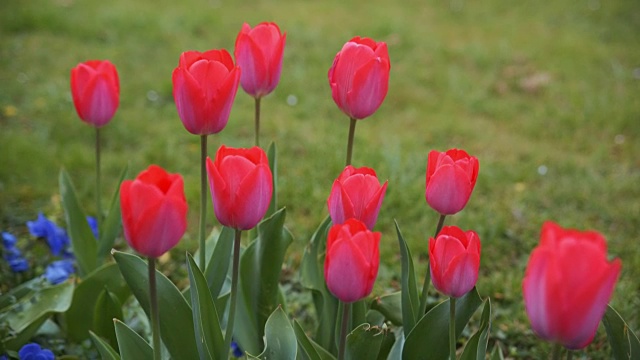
(359, 77)
(454, 260)
(154, 211)
(95, 89)
(451, 177)
(204, 87)
(241, 186)
(352, 260)
(259, 53)
(356, 193)
(567, 285)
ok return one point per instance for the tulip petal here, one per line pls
(337, 205)
(347, 276)
(462, 274)
(253, 197)
(369, 88)
(448, 190)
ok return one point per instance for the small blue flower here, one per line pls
(33, 351)
(40, 227)
(18, 264)
(8, 240)
(93, 224)
(4, 357)
(237, 352)
(56, 236)
(59, 271)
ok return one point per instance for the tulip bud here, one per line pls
(95, 89)
(451, 177)
(454, 260)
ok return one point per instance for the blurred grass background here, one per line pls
(546, 95)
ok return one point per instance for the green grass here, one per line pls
(459, 78)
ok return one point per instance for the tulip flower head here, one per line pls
(356, 193)
(154, 211)
(204, 87)
(241, 186)
(451, 177)
(258, 52)
(567, 285)
(359, 77)
(352, 260)
(95, 89)
(454, 260)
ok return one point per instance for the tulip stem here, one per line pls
(344, 326)
(556, 352)
(440, 224)
(569, 354)
(155, 314)
(427, 277)
(203, 200)
(452, 328)
(98, 202)
(352, 132)
(234, 289)
(257, 121)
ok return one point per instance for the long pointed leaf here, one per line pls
(390, 305)
(476, 347)
(105, 350)
(107, 308)
(624, 343)
(410, 299)
(280, 339)
(218, 265)
(112, 225)
(132, 346)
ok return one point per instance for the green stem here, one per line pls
(352, 131)
(452, 328)
(569, 354)
(234, 289)
(155, 314)
(344, 328)
(427, 278)
(440, 224)
(203, 200)
(257, 121)
(98, 202)
(556, 352)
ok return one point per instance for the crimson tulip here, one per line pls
(356, 193)
(241, 186)
(567, 285)
(352, 260)
(359, 77)
(95, 89)
(258, 52)
(451, 177)
(154, 211)
(204, 87)
(454, 260)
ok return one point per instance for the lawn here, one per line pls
(545, 95)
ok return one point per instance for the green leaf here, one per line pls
(105, 350)
(107, 308)
(624, 343)
(176, 319)
(496, 353)
(84, 244)
(280, 339)
(390, 305)
(112, 225)
(429, 337)
(273, 164)
(309, 350)
(78, 320)
(132, 346)
(209, 338)
(218, 265)
(364, 342)
(410, 299)
(476, 347)
(398, 345)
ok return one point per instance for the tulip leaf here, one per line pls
(132, 346)
(218, 265)
(364, 342)
(390, 305)
(176, 319)
(312, 277)
(209, 338)
(398, 345)
(409, 293)
(107, 308)
(624, 343)
(273, 164)
(426, 339)
(496, 353)
(280, 339)
(476, 347)
(309, 349)
(78, 319)
(83, 242)
(105, 350)
(112, 225)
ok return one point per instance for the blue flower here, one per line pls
(59, 271)
(56, 236)
(8, 240)
(237, 352)
(4, 357)
(40, 227)
(93, 224)
(33, 351)
(18, 264)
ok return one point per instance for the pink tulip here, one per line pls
(567, 285)
(259, 53)
(154, 211)
(359, 77)
(451, 177)
(356, 193)
(454, 260)
(241, 186)
(204, 87)
(352, 260)
(95, 89)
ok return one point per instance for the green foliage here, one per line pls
(106, 351)
(364, 342)
(107, 308)
(624, 343)
(112, 226)
(476, 347)
(132, 346)
(409, 290)
(280, 338)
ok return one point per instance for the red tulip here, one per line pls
(451, 177)
(204, 87)
(567, 285)
(359, 77)
(259, 53)
(454, 260)
(356, 193)
(154, 211)
(241, 186)
(95, 89)
(352, 260)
